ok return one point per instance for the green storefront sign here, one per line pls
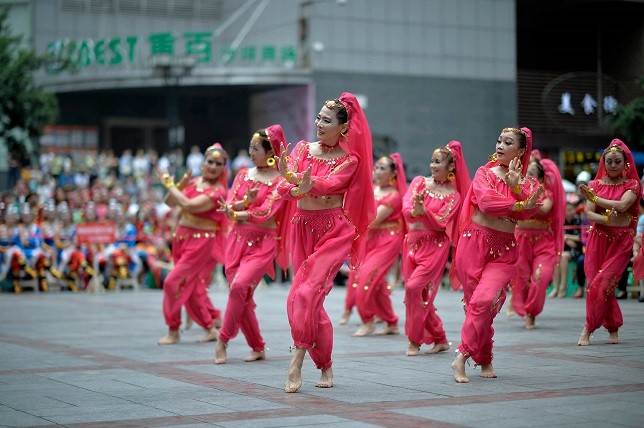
(198, 45)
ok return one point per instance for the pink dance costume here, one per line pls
(322, 240)
(372, 294)
(195, 253)
(426, 251)
(539, 249)
(609, 248)
(252, 249)
(486, 258)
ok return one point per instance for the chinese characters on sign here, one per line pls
(588, 104)
(197, 45)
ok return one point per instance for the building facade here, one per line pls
(170, 74)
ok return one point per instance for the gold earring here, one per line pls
(451, 176)
(492, 157)
(392, 181)
(270, 161)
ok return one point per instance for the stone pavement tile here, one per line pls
(296, 421)
(97, 353)
(121, 412)
(15, 418)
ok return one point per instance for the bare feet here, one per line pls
(487, 371)
(218, 322)
(438, 347)
(294, 379)
(365, 329)
(210, 336)
(579, 293)
(458, 365)
(562, 293)
(529, 322)
(510, 312)
(584, 338)
(255, 356)
(390, 329)
(326, 379)
(612, 338)
(220, 352)
(345, 317)
(170, 339)
(412, 349)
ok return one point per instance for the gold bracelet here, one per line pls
(290, 176)
(296, 192)
(607, 216)
(516, 189)
(168, 182)
(246, 201)
(519, 206)
(233, 215)
(592, 196)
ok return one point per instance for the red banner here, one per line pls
(96, 233)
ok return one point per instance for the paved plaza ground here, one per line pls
(91, 360)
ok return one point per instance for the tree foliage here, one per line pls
(24, 108)
(628, 122)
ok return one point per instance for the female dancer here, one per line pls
(612, 208)
(540, 240)
(331, 181)
(486, 253)
(199, 233)
(431, 208)
(383, 246)
(254, 241)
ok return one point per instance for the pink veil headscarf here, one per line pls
(630, 171)
(552, 180)
(359, 203)
(278, 141)
(462, 182)
(401, 179)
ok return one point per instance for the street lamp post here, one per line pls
(172, 71)
(304, 30)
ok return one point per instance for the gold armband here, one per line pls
(519, 206)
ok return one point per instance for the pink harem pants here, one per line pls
(188, 281)
(424, 257)
(607, 254)
(321, 243)
(486, 262)
(373, 296)
(535, 268)
(250, 254)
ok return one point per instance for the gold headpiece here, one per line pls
(614, 149)
(517, 131)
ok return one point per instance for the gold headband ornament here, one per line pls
(613, 149)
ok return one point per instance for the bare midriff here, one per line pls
(502, 224)
(315, 203)
(417, 225)
(536, 224)
(194, 222)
